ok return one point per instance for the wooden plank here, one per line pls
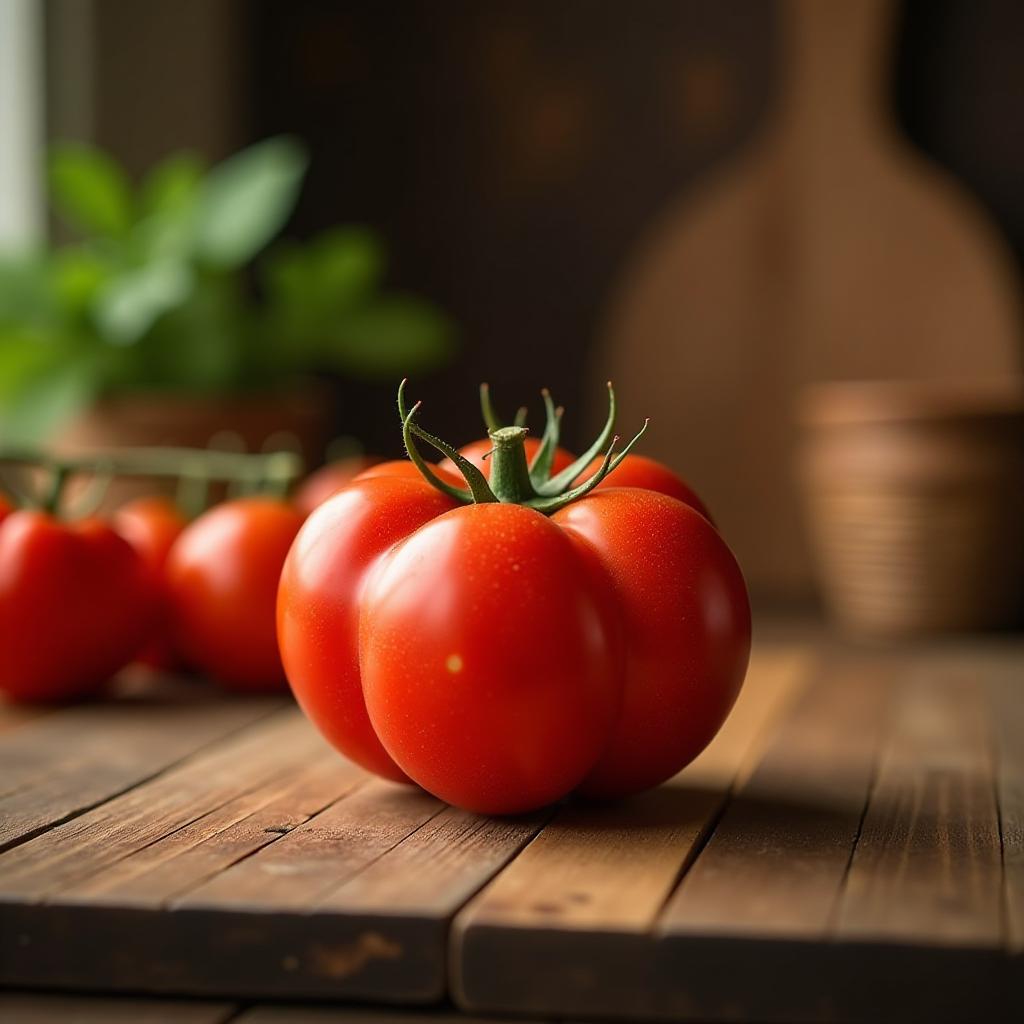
(1007, 690)
(921, 914)
(104, 839)
(30, 1008)
(565, 928)
(354, 901)
(764, 890)
(359, 1015)
(60, 765)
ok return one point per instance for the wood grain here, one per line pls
(921, 914)
(573, 912)
(762, 895)
(61, 764)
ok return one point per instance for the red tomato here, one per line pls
(686, 619)
(640, 471)
(476, 451)
(75, 606)
(152, 525)
(223, 573)
(407, 469)
(502, 659)
(328, 480)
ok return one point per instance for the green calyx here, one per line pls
(514, 480)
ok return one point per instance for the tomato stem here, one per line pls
(195, 468)
(510, 475)
(511, 480)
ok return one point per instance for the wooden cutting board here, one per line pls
(828, 250)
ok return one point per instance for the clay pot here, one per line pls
(298, 419)
(915, 499)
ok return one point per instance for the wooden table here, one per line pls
(851, 848)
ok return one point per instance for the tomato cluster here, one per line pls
(503, 628)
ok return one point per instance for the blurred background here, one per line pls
(731, 209)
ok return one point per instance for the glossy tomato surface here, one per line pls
(151, 525)
(489, 672)
(318, 604)
(686, 621)
(223, 574)
(407, 469)
(75, 606)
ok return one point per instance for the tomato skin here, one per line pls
(326, 481)
(319, 599)
(407, 469)
(686, 620)
(476, 452)
(651, 475)
(489, 672)
(222, 575)
(75, 606)
(151, 525)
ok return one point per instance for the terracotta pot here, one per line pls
(298, 419)
(915, 497)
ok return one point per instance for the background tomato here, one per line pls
(223, 573)
(151, 525)
(75, 606)
(328, 480)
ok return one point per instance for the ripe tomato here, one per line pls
(222, 573)
(328, 480)
(478, 451)
(151, 525)
(502, 658)
(640, 471)
(686, 620)
(75, 605)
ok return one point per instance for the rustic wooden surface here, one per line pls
(850, 848)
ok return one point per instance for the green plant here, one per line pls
(155, 294)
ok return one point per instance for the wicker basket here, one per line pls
(915, 498)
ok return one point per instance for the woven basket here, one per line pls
(915, 499)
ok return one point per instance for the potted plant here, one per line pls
(165, 321)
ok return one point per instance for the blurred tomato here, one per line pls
(75, 605)
(328, 480)
(223, 574)
(151, 525)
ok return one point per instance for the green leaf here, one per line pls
(41, 386)
(132, 302)
(172, 185)
(27, 295)
(346, 264)
(397, 335)
(246, 200)
(79, 275)
(90, 190)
